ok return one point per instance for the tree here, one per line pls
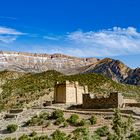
(122, 129)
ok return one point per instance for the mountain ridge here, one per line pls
(69, 65)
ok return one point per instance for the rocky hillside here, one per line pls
(116, 70)
(19, 90)
(133, 77)
(29, 62)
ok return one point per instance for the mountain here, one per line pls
(33, 62)
(116, 70)
(133, 77)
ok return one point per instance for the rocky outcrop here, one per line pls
(116, 70)
(133, 77)
(111, 68)
(33, 62)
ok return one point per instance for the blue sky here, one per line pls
(83, 28)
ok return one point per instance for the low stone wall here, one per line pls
(16, 110)
(132, 104)
(10, 116)
(90, 101)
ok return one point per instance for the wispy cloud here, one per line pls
(10, 18)
(9, 31)
(53, 38)
(103, 43)
(110, 42)
(8, 35)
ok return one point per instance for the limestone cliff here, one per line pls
(33, 62)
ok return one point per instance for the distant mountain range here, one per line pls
(35, 63)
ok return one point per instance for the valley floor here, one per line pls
(103, 118)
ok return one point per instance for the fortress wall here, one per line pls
(80, 92)
(69, 92)
(115, 100)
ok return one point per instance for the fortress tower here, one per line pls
(69, 92)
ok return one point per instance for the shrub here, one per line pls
(73, 119)
(93, 119)
(12, 128)
(65, 124)
(58, 135)
(24, 137)
(83, 122)
(33, 134)
(57, 114)
(9, 138)
(81, 134)
(45, 137)
(111, 137)
(34, 121)
(95, 137)
(44, 115)
(102, 131)
(59, 121)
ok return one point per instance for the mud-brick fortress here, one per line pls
(114, 100)
(69, 92)
(73, 93)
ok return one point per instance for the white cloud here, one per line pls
(104, 43)
(53, 38)
(8, 35)
(7, 39)
(9, 31)
(110, 42)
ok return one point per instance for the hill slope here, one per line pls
(29, 87)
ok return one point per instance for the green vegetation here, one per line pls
(23, 88)
(135, 136)
(58, 135)
(102, 131)
(12, 128)
(44, 118)
(36, 120)
(59, 120)
(73, 120)
(33, 134)
(81, 134)
(93, 120)
(57, 114)
(65, 124)
(122, 128)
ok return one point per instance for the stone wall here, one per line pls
(69, 92)
(114, 100)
